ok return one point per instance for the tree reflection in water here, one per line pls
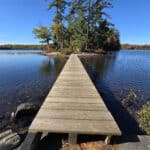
(52, 66)
(100, 68)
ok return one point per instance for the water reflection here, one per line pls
(114, 76)
(52, 66)
(97, 66)
(26, 78)
(46, 67)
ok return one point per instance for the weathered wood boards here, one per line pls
(74, 106)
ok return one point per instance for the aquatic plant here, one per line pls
(130, 100)
(144, 118)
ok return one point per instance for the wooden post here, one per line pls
(72, 138)
(108, 139)
(31, 141)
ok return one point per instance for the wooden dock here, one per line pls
(74, 106)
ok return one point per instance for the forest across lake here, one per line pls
(32, 47)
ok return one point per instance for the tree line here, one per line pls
(135, 47)
(80, 25)
(41, 47)
(20, 46)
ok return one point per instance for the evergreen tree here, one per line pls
(58, 26)
(59, 6)
(83, 25)
(76, 25)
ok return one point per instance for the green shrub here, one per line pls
(144, 118)
(130, 99)
(66, 51)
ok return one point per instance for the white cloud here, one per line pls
(5, 42)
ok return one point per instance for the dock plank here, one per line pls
(73, 100)
(74, 106)
(75, 126)
(75, 114)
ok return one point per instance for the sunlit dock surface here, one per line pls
(74, 106)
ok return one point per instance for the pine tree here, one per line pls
(83, 25)
(58, 26)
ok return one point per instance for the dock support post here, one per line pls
(72, 138)
(31, 141)
(108, 139)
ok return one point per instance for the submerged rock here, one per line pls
(19, 123)
(130, 100)
(22, 117)
(9, 140)
(5, 133)
(25, 109)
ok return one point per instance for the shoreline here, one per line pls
(34, 49)
(57, 54)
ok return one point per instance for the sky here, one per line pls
(19, 17)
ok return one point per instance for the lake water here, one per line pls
(27, 76)
(118, 74)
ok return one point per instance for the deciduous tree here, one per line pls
(43, 33)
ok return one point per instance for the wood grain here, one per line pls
(74, 106)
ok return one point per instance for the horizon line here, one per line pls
(44, 44)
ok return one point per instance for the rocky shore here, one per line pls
(14, 128)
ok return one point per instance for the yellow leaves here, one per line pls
(56, 27)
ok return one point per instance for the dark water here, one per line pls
(115, 76)
(25, 76)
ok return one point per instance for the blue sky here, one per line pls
(19, 17)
